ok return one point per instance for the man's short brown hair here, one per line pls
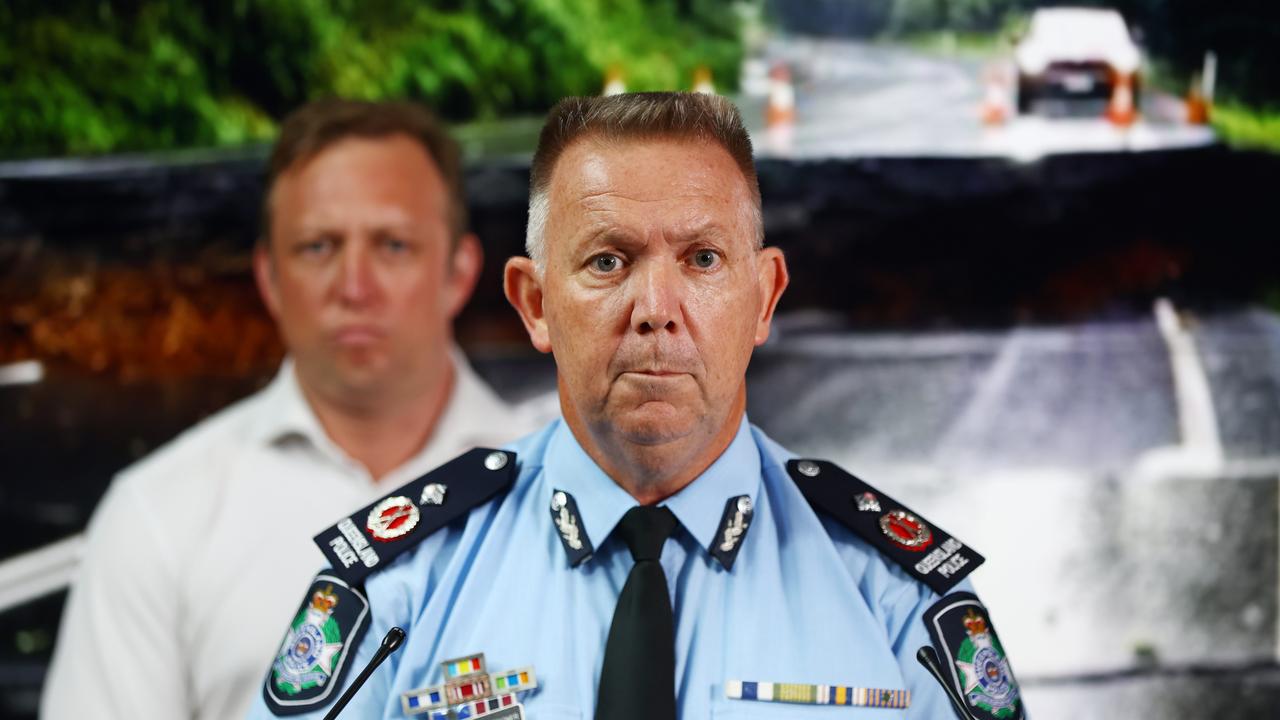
(312, 128)
(636, 116)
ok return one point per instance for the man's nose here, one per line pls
(356, 282)
(656, 303)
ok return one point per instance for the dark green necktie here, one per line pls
(638, 681)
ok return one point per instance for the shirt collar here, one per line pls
(286, 411)
(474, 415)
(468, 419)
(699, 506)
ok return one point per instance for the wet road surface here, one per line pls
(855, 99)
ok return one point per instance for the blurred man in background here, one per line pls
(196, 553)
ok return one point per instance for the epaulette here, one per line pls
(376, 534)
(314, 655)
(926, 552)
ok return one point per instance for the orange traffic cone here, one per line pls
(995, 96)
(1121, 110)
(1197, 109)
(1197, 104)
(614, 81)
(702, 81)
(781, 109)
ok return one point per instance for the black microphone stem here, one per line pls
(929, 659)
(390, 643)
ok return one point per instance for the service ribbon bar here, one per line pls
(463, 666)
(483, 708)
(513, 681)
(418, 702)
(800, 693)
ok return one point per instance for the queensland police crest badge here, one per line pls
(308, 669)
(973, 657)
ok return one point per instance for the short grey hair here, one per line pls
(635, 116)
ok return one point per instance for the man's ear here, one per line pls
(771, 268)
(523, 287)
(264, 273)
(464, 270)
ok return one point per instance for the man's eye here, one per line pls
(395, 245)
(706, 259)
(605, 263)
(319, 246)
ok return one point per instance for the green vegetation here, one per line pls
(1249, 127)
(90, 76)
(977, 36)
(1271, 297)
(1240, 124)
(977, 45)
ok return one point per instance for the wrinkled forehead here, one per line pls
(674, 184)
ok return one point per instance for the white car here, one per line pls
(1074, 54)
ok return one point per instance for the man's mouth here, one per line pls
(356, 335)
(654, 372)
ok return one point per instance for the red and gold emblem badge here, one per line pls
(393, 518)
(906, 530)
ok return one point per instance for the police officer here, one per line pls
(650, 555)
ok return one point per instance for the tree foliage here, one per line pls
(79, 76)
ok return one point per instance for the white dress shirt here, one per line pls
(197, 553)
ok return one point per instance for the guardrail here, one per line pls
(40, 572)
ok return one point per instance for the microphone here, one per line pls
(928, 657)
(390, 643)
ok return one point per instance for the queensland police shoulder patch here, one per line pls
(315, 654)
(924, 550)
(368, 540)
(972, 657)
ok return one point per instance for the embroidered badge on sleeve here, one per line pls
(973, 658)
(314, 656)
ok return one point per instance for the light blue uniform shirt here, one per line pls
(806, 601)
